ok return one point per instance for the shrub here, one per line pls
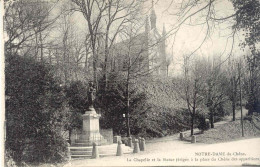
(76, 93)
(203, 123)
(34, 111)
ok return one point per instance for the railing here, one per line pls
(98, 137)
(89, 139)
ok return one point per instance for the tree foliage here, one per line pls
(247, 19)
(34, 112)
(76, 94)
(113, 104)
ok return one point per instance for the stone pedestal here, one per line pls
(90, 132)
(193, 139)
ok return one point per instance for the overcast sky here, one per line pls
(188, 38)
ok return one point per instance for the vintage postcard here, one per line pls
(130, 83)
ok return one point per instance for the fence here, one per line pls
(105, 133)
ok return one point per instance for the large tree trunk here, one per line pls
(211, 118)
(106, 59)
(234, 94)
(192, 125)
(95, 69)
(128, 107)
(234, 110)
(41, 43)
(50, 58)
(86, 61)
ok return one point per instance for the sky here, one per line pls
(188, 38)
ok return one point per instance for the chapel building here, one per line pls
(145, 51)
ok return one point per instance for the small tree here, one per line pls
(191, 85)
(215, 94)
(232, 86)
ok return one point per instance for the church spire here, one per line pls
(147, 25)
(153, 17)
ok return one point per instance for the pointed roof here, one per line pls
(153, 15)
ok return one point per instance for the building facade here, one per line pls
(144, 53)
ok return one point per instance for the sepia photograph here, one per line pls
(129, 83)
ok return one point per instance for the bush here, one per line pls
(76, 93)
(34, 112)
(203, 123)
(222, 110)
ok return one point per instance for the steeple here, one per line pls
(163, 52)
(147, 25)
(153, 17)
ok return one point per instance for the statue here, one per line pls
(91, 92)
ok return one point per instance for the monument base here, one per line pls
(90, 132)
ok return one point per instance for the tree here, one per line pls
(34, 112)
(252, 85)
(232, 85)
(244, 18)
(191, 86)
(25, 25)
(240, 96)
(93, 11)
(71, 47)
(87, 52)
(247, 19)
(115, 106)
(132, 54)
(215, 94)
(117, 15)
(66, 47)
(76, 94)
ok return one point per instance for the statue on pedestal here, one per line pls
(91, 94)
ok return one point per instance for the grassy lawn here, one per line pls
(231, 131)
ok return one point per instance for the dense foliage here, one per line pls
(155, 109)
(35, 108)
(112, 104)
(247, 20)
(76, 93)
